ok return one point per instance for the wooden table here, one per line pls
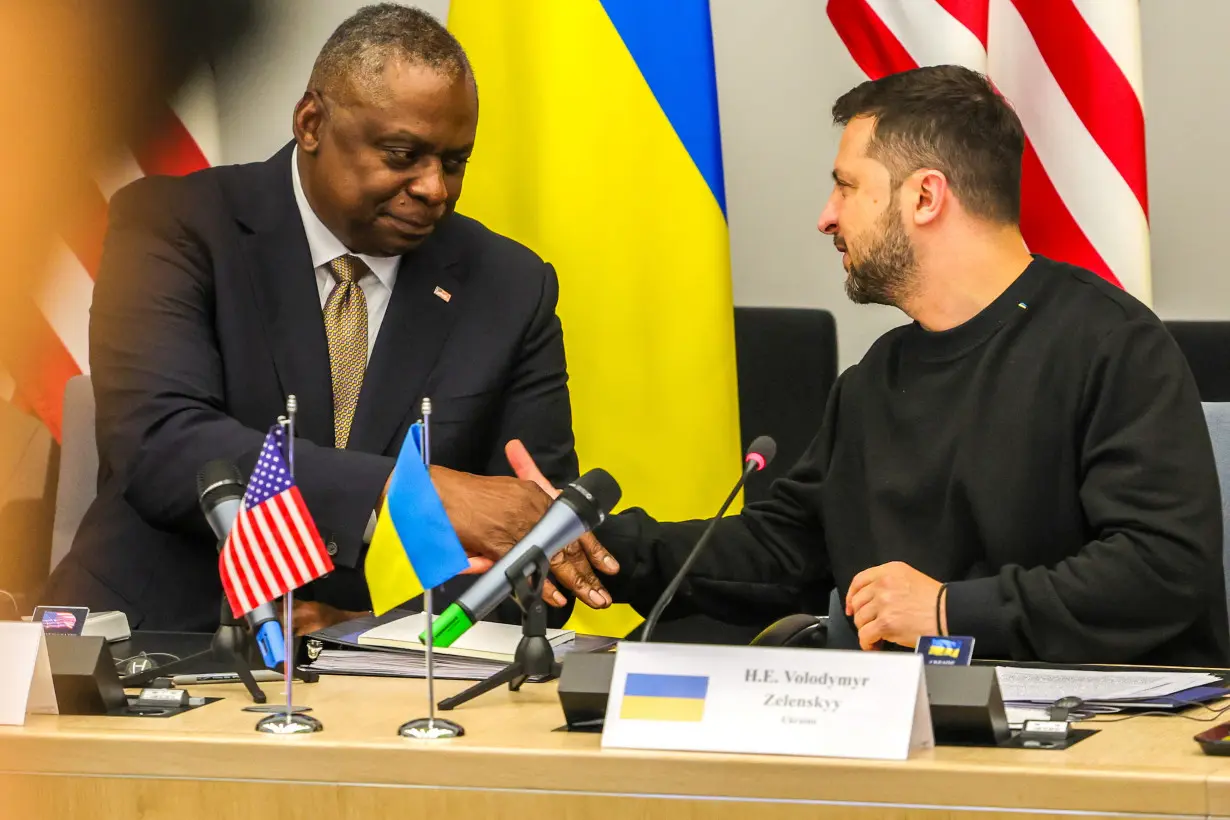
(210, 763)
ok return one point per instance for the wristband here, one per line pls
(939, 597)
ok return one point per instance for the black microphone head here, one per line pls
(217, 480)
(761, 451)
(602, 488)
(592, 496)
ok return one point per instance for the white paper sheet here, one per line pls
(1032, 685)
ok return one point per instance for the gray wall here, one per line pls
(1187, 115)
(780, 66)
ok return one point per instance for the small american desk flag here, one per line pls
(274, 546)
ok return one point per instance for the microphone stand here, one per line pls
(669, 593)
(231, 645)
(534, 658)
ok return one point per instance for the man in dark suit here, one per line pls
(336, 271)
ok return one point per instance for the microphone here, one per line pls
(759, 453)
(580, 506)
(220, 488)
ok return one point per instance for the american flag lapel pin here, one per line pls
(442, 293)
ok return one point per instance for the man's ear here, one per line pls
(308, 120)
(932, 194)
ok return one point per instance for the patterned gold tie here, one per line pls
(346, 329)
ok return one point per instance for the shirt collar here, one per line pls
(323, 246)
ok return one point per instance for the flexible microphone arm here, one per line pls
(759, 455)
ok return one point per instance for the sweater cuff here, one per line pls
(618, 534)
(976, 608)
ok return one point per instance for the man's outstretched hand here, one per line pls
(491, 514)
(574, 565)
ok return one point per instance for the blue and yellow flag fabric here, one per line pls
(598, 147)
(664, 697)
(414, 547)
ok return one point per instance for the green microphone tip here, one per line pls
(451, 625)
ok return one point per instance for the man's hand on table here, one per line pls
(492, 513)
(310, 616)
(894, 602)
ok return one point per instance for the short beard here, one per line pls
(885, 274)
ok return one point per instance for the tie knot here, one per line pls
(347, 269)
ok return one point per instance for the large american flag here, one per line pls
(185, 139)
(274, 546)
(1072, 71)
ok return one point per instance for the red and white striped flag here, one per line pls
(274, 546)
(185, 139)
(1072, 71)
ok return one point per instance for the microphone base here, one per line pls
(535, 657)
(432, 728)
(530, 664)
(233, 646)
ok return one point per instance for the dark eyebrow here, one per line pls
(403, 135)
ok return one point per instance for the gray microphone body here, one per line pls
(580, 506)
(220, 489)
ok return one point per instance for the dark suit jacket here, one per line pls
(206, 316)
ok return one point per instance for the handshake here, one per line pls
(491, 514)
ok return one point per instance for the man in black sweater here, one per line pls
(1027, 462)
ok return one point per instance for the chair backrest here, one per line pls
(78, 483)
(841, 631)
(1217, 414)
(787, 363)
(1206, 346)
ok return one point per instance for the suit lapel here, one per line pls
(415, 328)
(285, 288)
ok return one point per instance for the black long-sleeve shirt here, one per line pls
(1048, 458)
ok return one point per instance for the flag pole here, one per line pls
(291, 721)
(427, 603)
(429, 728)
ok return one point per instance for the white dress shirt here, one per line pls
(324, 247)
(377, 287)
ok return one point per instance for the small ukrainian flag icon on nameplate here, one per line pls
(664, 697)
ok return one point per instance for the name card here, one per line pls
(25, 682)
(767, 700)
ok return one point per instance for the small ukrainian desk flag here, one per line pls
(414, 547)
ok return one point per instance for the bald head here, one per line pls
(356, 55)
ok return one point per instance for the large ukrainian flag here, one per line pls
(598, 147)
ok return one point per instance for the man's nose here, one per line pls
(428, 185)
(828, 217)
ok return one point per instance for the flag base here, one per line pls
(430, 729)
(277, 709)
(292, 724)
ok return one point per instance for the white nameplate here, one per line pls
(25, 682)
(767, 700)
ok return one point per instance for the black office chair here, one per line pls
(1206, 345)
(787, 363)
